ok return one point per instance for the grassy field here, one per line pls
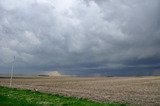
(17, 97)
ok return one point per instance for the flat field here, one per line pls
(18, 97)
(130, 90)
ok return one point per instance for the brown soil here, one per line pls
(132, 90)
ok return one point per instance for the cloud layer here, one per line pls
(80, 36)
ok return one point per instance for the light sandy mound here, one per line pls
(53, 73)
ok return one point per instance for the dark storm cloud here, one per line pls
(79, 36)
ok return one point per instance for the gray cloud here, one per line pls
(79, 36)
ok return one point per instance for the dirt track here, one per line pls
(132, 90)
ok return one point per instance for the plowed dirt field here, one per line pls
(143, 91)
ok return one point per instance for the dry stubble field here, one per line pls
(132, 90)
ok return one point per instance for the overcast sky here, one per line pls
(81, 37)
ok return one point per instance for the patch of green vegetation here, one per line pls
(17, 97)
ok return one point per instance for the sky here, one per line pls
(80, 37)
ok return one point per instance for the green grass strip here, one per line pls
(18, 97)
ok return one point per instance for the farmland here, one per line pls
(128, 90)
(18, 97)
